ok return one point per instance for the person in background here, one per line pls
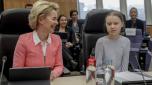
(70, 41)
(134, 22)
(76, 25)
(74, 21)
(40, 47)
(113, 48)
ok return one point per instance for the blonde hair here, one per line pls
(40, 7)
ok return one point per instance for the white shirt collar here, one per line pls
(37, 39)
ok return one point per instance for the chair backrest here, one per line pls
(93, 29)
(13, 22)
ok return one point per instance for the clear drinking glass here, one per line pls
(109, 71)
(105, 75)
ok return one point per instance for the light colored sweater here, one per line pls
(113, 51)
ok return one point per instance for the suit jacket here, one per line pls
(139, 24)
(79, 22)
(27, 54)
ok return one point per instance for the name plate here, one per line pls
(130, 31)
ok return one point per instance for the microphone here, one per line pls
(140, 71)
(4, 58)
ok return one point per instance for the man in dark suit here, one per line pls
(134, 22)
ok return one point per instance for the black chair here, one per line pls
(13, 22)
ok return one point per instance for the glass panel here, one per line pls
(111, 4)
(85, 6)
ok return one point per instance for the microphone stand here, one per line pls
(140, 70)
(4, 58)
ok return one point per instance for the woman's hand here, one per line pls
(52, 77)
(68, 44)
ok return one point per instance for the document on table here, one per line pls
(130, 76)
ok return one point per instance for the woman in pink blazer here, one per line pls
(40, 47)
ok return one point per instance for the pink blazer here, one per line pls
(27, 54)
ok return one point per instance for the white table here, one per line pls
(76, 80)
(72, 80)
